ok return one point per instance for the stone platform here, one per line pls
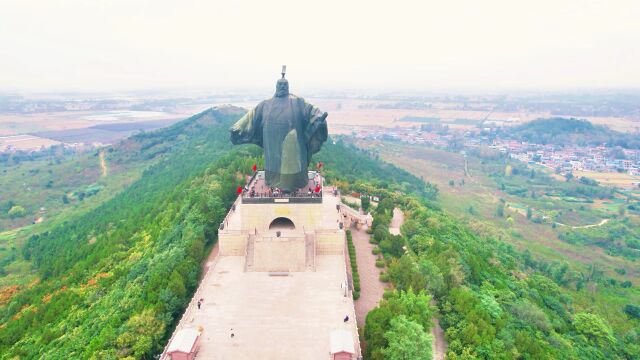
(278, 284)
(283, 235)
(272, 317)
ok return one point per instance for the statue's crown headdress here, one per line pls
(284, 70)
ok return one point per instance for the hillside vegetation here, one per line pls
(570, 131)
(110, 283)
(495, 302)
(550, 297)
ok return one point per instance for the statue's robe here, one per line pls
(290, 130)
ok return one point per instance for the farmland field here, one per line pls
(103, 133)
(346, 115)
(612, 179)
(72, 126)
(25, 142)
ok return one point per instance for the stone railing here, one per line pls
(315, 198)
(225, 222)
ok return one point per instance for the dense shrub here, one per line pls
(384, 277)
(354, 266)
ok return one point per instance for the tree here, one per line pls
(434, 278)
(500, 210)
(380, 233)
(593, 327)
(632, 310)
(531, 314)
(141, 332)
(410, 228)
(413, 305)
(587, 181)
(393, 245)
(529, 213)
(622, 210)
(16, 211)
(7, 205)
(405, 274)
(385, 205)
(365, 202)
(407, 341)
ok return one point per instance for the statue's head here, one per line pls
(282, 88)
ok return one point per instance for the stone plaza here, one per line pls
(278, 288)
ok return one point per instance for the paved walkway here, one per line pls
(396, 222)
(271, 317)
(213, 254)
(371, 288)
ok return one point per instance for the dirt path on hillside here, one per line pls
(602, 222)
(103, 164)
(396, 221)
(439, 343)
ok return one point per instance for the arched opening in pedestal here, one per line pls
(282, 223)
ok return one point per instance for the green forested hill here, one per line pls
(494, 302)
(570, 131)
(110, 283)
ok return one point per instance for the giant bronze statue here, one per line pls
(289, 129)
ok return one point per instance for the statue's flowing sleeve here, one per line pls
(316, 132)
(248, 130)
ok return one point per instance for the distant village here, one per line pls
(560, 159)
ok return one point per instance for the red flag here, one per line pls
(317, 188)
(254, 167)
(320, 165)
(239, 190)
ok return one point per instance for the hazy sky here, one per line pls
(103, 45)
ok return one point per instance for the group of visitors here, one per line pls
(249, 189)
(277, 192)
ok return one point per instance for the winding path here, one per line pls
(396, 222)
(602, 222)
(439, 342)
(103, 164)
